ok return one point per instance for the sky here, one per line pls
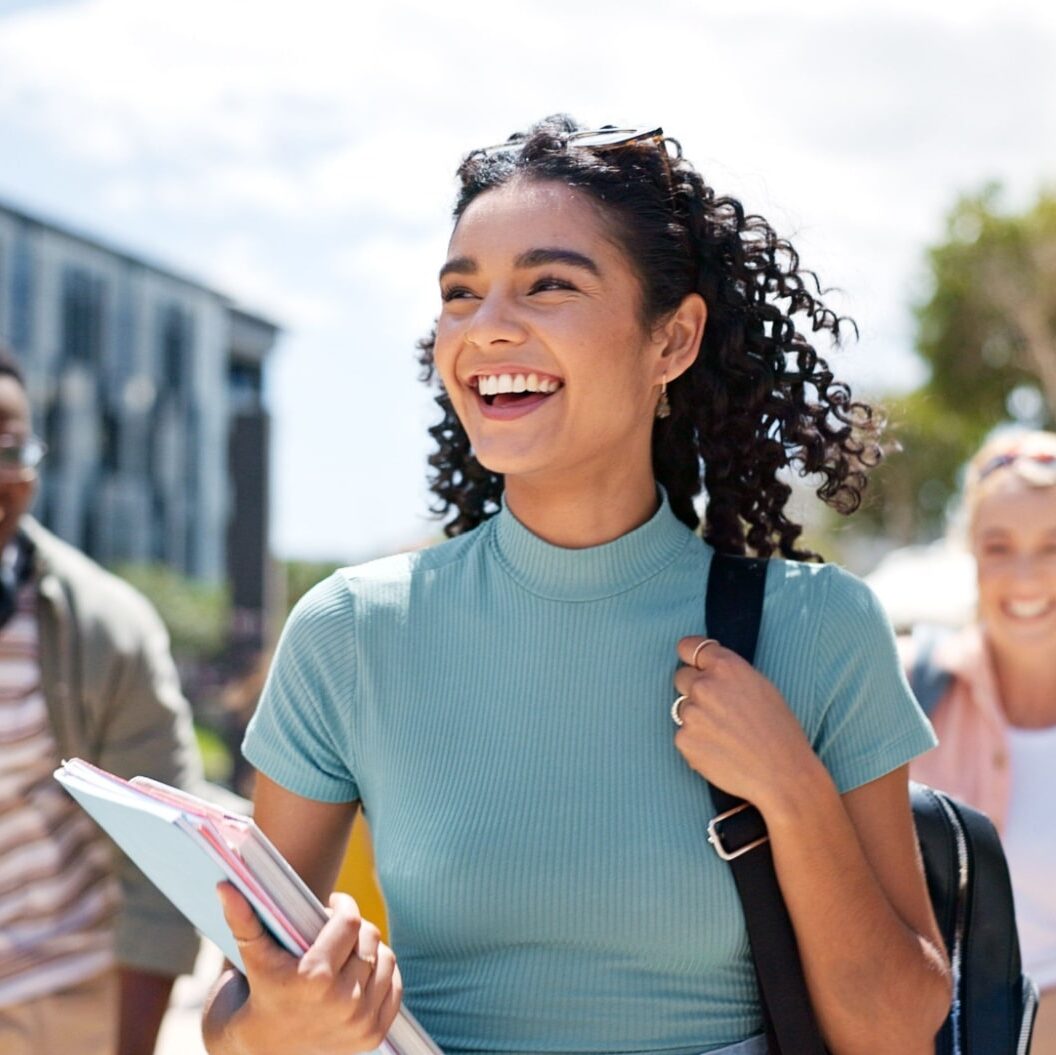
(300, 158)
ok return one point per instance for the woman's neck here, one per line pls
(1026, 685)
(576, 514)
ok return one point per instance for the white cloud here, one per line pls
(301, 156)
(238, 266)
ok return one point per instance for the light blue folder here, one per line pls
(167, 844)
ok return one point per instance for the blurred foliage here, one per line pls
(302, 575)
(216, 756)
(197, 614)
(987, 332)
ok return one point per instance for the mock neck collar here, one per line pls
(595, 572)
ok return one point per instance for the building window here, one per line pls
(110, 440)
(244, 386)
(3, 293)
(176, 347)
(82, 316)
(53, 429)
(22, 276)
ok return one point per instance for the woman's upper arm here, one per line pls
(883, 819)
(311, 835)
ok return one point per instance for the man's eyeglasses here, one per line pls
(20, 456)
(606, 138)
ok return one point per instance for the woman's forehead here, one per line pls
(523, 213)
(1010, 502)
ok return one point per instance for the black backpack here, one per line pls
(994, 1003)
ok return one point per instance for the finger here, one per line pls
(336, 941)
(358, 972)
(368, 944)
(391, 1005)
(689, 680)
(259, 951)
(697, 651)
(382, 975)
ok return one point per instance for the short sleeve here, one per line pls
(870, 723)
(300, 734)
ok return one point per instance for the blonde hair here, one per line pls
(1030, 456)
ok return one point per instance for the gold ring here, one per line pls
(676, 709)
(696, 652)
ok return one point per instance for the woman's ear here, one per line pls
(680, 336)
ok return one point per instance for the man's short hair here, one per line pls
(10, 366)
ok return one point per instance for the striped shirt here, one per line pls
(57, 891)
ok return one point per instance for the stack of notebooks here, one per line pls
(186, 845)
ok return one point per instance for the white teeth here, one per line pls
(1028, 609)
(493, 384)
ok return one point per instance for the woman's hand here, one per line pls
(737, 730)
(340, 997)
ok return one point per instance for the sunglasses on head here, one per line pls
(999, 461)
(605, 138)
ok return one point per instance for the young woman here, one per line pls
(997, 719)
(613, 337)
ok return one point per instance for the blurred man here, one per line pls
(88, 948)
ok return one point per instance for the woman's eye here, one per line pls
(995, 551)
(455, 293)
(549, 283)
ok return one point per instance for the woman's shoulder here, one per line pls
(384, 580)
(791, 582)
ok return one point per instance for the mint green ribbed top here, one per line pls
(501, 707)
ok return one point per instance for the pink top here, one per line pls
(971, 761)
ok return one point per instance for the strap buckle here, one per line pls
(715, 835)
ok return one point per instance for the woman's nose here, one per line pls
(494, 322)
(1024, 566)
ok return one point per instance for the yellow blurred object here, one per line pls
(357, 877)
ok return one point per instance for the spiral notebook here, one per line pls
(186, 845)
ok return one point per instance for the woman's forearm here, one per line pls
(878, 983)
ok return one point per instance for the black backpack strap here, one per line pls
(733, 613)
(13, 575)
(928, 681)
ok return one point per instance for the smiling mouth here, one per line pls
(506, 390)
(1028, 609)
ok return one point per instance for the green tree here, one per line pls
(987, 332)
(197, 614)
(302, 575)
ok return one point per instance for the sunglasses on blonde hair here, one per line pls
(1044, 460)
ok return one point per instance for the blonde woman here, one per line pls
(996, 720)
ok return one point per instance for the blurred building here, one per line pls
(147, 387)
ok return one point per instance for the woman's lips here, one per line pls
(507, 406)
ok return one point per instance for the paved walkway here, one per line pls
(181, 1032)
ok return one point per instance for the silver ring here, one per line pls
(696, 652)
(676, 708)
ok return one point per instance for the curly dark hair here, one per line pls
(758, 399)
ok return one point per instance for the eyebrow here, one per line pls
(466, 265)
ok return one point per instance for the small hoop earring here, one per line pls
(663, 404)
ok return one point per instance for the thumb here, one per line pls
(260, 952)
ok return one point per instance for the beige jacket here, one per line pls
(114, 698)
